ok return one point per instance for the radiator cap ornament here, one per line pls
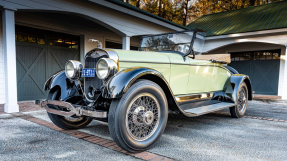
(99, 43)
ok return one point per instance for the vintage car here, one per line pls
(134, 91)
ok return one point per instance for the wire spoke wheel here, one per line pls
(73, 119)
(242, 101)
(142, 116)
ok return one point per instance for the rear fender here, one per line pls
(60, 80)
(235, 81)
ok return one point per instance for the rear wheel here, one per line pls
(242, 100)
(138, 118)
(63, 122)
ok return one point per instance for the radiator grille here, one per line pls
(94, 82)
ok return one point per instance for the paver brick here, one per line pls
(104, 142)
(118, 149)
(157, 158)
(149, 156)
(97, 141)
(109, 144)
(142, 154)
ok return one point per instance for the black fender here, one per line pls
(60, 80)
(236, 80)
(117, 85)
(121, 82)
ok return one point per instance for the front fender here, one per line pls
(60, 80)
(121, 82)
(236, 80)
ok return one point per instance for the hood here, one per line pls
(141, 56)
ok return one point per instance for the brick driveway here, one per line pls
(261, 135)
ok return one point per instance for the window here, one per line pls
(256, 55)
(266, 55)
(31, 35)
(240, 56)
(38, 36)
(63, 40)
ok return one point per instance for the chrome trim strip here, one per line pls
(198, 96)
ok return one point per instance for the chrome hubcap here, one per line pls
(142, 117)
(241, 105)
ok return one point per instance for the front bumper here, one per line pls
(72, 110)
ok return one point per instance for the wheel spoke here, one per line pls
(143, 117)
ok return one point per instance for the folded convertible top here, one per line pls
(214, 57)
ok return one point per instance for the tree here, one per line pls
(185, 11)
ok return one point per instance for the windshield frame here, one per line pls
(191, 43)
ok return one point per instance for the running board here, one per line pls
(207, 109)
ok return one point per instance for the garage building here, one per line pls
(256, 38)
(38, 37)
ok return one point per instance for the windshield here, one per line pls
(171, 41)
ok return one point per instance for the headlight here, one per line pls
(73, 69)
(106, 67)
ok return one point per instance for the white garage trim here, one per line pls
(10, 61)
(126, 43)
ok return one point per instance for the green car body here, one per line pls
(185, 76)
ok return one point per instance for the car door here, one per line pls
(199, 71)
(179, 72)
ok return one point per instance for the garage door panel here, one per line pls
(264, 88)
(30, 71)
(29, 90)
(20, 71)
(28, 54)
(38, 73)
(53, 66)
(263, 72)
(242, 67)
(38, 60)
(257, 77)
(265, 67)
(62, 56)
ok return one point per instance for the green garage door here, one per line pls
(40, 54)
(262, 68)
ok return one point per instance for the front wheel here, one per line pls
(242, 100)
(66, 123)
(138, 118)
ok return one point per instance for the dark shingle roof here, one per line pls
(256, 18)
(129, 6)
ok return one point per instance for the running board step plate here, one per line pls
(207, 109)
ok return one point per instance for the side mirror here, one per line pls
(99, 43)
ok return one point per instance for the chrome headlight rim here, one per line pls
(112, 68)
(77, 69)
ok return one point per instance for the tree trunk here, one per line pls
(159, 8)
(138, 3)
(252, 2)
(185, 14)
